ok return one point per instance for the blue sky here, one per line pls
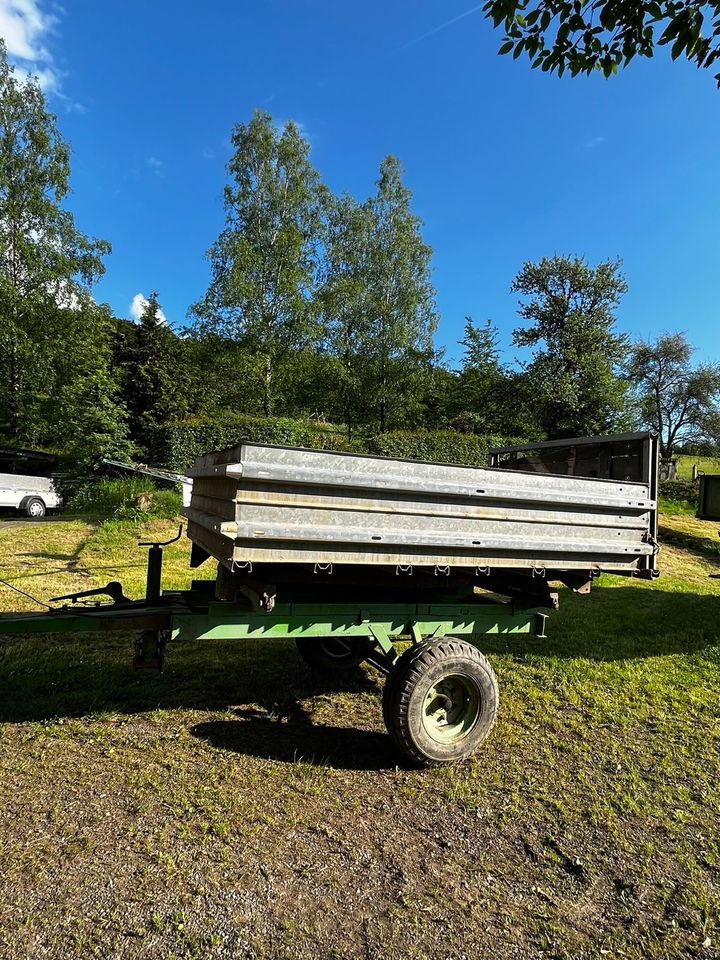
(506, 164)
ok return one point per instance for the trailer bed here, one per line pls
(261, 504)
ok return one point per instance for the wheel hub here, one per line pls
(451, 708)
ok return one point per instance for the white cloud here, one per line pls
(138, 304)
(154, 164)
(25, 28)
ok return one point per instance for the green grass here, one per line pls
(239, 806)
(677, 508)
(704, 464)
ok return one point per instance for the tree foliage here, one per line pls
(478, 387)
(90, 419)
(46, 264)
(569, 311)
(264, 263)
(586, 35)
(344, 299)
(320, 310)
(401, 315)
(157, 374)
(377, 302)
(675, 398)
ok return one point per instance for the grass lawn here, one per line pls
(704, 464)
(239, 806)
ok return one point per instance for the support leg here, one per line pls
(383, 654)
(150, 650)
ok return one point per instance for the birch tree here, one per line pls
(47, 265)
(264, 263)
(344, 300)
(401, 317)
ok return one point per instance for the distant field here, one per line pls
(240, 806)
(705, 465)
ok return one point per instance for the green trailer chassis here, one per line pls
(440, 696)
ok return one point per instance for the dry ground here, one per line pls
(238, 806)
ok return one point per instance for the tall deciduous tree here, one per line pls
(264, 263)
(46, 264)
(678, 400)
(586, 35)
(401, 316)
(569, 310)
(344, 299)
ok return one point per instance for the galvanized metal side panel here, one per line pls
(259, 551)
(322, 469)
(305, 506)
(397, 502)
(256, 521)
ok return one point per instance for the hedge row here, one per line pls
(178, 445)
(682, 491)
(442, 446)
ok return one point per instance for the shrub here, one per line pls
(680, 491)
(679, 497)
(126, 498)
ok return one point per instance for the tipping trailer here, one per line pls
(347, 554)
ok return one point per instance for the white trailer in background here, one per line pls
(33, 496)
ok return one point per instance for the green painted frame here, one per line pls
(379, 622)
(223, 620)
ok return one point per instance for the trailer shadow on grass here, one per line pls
(296, 738)
(45, 677)
(621, 623)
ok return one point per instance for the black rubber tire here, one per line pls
(35, 508)
(332, 654)
(417, 671)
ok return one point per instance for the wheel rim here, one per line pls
(35, 510)
(451, 708)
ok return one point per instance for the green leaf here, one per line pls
(677, 48)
